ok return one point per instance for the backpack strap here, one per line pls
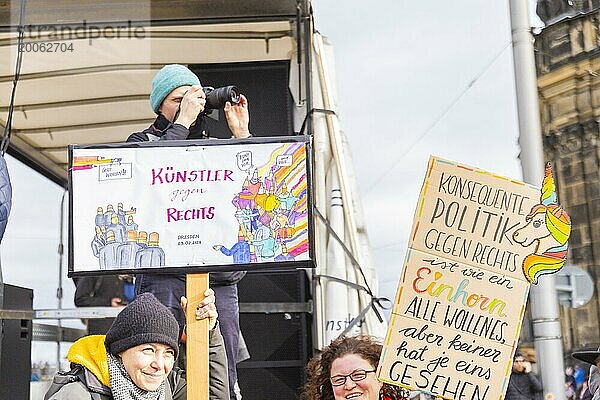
(96, 388)
(63, 378)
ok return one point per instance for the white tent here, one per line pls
(92, 86)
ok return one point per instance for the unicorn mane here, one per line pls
(535, 265)
(558, 223)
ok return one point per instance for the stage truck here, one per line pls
(80, 74)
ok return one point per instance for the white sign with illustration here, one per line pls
(140, 208)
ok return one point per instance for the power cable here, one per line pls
(8, 127)
(436, 121)
(387, 245)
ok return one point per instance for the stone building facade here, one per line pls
(567, 54)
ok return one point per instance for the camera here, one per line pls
(217, 97)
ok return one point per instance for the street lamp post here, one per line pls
(543, 298)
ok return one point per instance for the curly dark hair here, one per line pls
(318, 386)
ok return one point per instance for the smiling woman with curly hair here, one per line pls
(346, 369)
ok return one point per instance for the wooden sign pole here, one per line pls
(197, 339)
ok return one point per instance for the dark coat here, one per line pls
(98, 292)
(523, 386)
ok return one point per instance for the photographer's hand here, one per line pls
(191, 105)
(238, 118)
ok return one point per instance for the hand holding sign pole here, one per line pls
(197, 339)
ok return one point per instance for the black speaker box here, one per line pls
(274, 287)
(15, 344)
(264, 83)
(276, 337)
(281, 383)
(279, 342)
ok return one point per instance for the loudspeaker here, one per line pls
(15, 344)
(274, 287)
(265, 84)
(281, 383)
(278, 341)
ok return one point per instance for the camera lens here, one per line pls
(216, 98)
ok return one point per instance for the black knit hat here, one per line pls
(144, 320)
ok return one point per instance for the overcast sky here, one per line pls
(414, 78)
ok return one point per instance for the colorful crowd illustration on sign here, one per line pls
(478, 241)
(249, 207)
(272, 218)
(118, 244)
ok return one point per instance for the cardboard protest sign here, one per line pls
(478, 241)
(191, 206)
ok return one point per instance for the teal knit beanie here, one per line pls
(168, 78)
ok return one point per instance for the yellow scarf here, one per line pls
(89, 351)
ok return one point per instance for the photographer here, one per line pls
(179, 100)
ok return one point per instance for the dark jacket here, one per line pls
(163, 129)
(91, 387)
(98, 292)
(523, 386)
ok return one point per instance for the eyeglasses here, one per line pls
(356, 376)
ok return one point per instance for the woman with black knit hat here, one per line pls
(135, 359)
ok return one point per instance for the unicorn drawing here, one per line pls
(549, 227)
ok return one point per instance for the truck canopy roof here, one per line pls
(91, 80)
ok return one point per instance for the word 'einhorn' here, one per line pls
(436, 289)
